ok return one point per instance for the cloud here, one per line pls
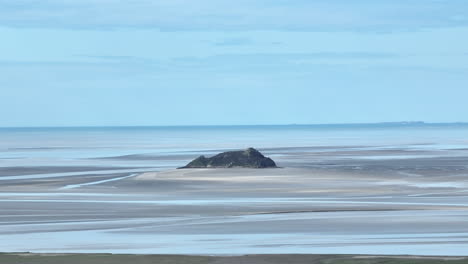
(280, 62)
(244, 64)
(107, 59)
(234, 42)
(242, 15)
(215, 60)
(267, 63)
(282, 58)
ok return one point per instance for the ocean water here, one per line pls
(154, 146)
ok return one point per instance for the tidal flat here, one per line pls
(117, 191)
(319, 202)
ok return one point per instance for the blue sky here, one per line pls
(219, 62)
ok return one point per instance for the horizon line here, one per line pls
(245, 125)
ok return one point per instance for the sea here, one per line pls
(139, 146)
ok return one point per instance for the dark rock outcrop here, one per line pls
(249, 158)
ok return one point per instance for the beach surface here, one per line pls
(343, 189)
(346, 200)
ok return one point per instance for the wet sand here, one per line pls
(323, 201)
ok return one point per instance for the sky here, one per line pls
(224, 62)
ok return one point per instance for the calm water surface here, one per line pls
(88, 146)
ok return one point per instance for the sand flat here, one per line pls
(333, 205)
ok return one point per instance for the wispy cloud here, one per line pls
(280, 62)
(239, 60)
(267, 63)
(281, 58)
(107, 59)
(234, 42)
(206, 15)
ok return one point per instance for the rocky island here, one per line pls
(249, 158)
